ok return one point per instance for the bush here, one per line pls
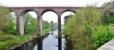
(5, 36)
(7, 40)
(78, 28)
(107, 18)
(85, 31)
(101, 35)
(7, 23)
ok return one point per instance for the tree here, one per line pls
(108, 4)
(30, 23)
(52, 25)
(78, 28)
(6, 21)
(108, 17)
(46, 26)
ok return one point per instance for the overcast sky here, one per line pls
(51, 16)
(78, 3)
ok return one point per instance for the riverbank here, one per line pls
(8, 41)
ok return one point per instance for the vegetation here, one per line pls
(30, 24)
(101, 35)
(49, 26)
(7, 40)
(8, 29)
(46, 27)
(8, 37)
(6, 21)
(108, 4)
(85, 30)
(108, 16)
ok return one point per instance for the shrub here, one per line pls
(7, 40)
(101, 35)
(85, 31)
(6, 21)
(78, 28)
(107, 18)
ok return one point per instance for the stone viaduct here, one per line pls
(20, 11)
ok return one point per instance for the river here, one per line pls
(51, 42)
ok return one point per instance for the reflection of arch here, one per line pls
(47, 11)
(25, 11)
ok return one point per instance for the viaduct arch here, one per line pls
(39, 11)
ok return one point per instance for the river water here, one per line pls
(51, 42)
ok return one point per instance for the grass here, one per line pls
(46, 30)
(7, 40)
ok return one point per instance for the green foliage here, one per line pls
(78, 28)
(107, 18)
(108, 4)
(101, 35)
(4, 36)
(30, 23)
(6, 21)
(8, 28)
(46, 26)
(53, 26)
(8, 40)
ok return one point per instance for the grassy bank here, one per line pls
(7, 40)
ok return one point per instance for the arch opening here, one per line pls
(49, 21)
(30, 21)
(65, 15)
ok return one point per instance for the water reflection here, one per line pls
(35, 47)
(51, 42)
